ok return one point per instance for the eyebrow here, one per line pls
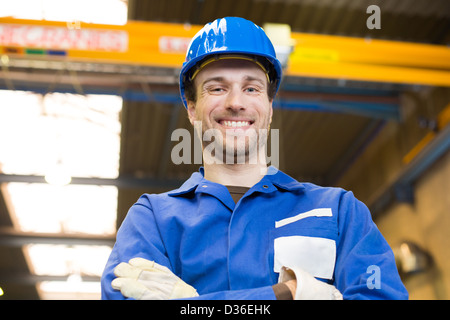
(222, 79)
(218, 79)
(250, 78)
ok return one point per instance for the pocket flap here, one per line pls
(320, 212)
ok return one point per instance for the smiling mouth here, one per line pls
(236, 123)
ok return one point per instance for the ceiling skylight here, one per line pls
(78, 263)
(60, 136)
(61, 260)
(79, 133)
(69, 209)
(80, 136)
(112, 12)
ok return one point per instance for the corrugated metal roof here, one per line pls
(406, 20)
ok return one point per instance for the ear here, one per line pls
(270, 111)
(191, 111)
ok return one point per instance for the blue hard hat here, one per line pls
(230, 36)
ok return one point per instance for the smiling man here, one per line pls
(238, 229)
(232, 104)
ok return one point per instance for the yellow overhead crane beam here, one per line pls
(369, 60)
(137, 43)
(165, 44)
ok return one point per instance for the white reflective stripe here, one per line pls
(320, 212)
(316, 256)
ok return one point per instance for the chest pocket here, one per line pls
(306, 240)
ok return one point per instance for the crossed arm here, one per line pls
(142, 279)
(361, 245)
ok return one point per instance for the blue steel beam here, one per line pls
(402, 189)
(123, 182)
(430, 153)
(366, 108)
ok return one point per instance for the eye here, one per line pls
(251, 89)
(215, 89)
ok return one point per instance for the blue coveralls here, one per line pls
(235, 251)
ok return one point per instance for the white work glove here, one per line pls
(143, 279)
(308, 287)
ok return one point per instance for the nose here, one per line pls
(234, 101)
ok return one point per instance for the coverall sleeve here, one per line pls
(365, 264)
(139, 236)
(262, 293)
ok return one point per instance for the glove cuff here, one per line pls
(308, 287)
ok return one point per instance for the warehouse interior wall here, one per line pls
(425, 219)
(425, 222)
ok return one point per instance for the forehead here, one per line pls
(232, 69)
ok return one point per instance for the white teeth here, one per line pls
(236, 124)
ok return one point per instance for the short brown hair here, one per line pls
(190, 91)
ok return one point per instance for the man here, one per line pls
(239, 229)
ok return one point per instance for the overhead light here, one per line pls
(280, 35)
(58, 175)
(411, 258)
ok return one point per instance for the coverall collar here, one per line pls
(272, 181)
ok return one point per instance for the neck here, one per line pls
(244, 175)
